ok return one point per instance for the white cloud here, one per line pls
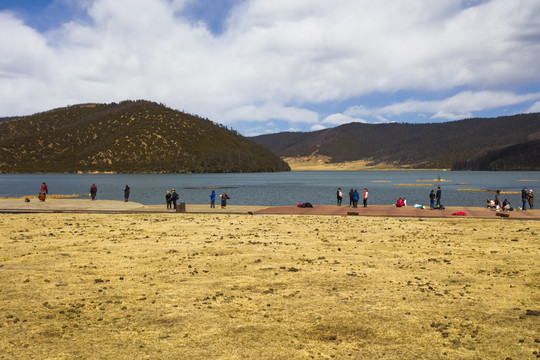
(278, 59)
(456, 107)
(270, 111)
(317, 127)
(534, 108)
(339, 119)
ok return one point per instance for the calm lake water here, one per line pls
(287, 188)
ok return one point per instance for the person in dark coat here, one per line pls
(93, 191)
(351, 198)
(174, 198)
(168, 200)
(524, 194)
(438, 196)
(431, 199)
(126, 193)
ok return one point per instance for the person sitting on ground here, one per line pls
(404, 201)
(400, 202)
(506, 205)
(492, 204)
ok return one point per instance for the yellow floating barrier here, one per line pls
(491, 191)
(415, 185)
(435, 180)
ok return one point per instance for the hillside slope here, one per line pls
(129, 137)
(458, 144)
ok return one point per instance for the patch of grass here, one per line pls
(267, 287)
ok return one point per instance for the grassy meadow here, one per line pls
(184, 286)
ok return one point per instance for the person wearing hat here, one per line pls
(174, 198)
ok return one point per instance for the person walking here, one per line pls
(524, 195)
(168, 200)
(438, 196)
(174, 198)
(431, 200)
(213, 199)
(530, 199)
(339, 196)
(126, 193)
(93, 191)
(351, 198)
(366, 195)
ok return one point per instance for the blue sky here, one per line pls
(262, 66)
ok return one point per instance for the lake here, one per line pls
(286, 188)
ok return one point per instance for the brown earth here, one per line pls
(234, 286)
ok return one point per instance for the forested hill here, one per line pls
(129, 137)
(502, 143)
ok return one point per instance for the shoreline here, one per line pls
(70, 205)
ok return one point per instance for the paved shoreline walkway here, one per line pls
(112, 206)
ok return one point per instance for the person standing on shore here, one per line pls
(438, 196)
(339, 196)
(356, 196)
(126, 193)
(44, 190)
(431, 200)
(174, 198)
(224, 198)
(168, 200)
(213, 199)
(524, 194)
(530, 199)
(93, 191)
(351, 198)
(366, 195)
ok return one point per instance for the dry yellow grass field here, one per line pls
(322, 163)
(183, 286)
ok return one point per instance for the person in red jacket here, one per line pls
(44, 190)
(400, 203)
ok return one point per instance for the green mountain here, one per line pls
(129, 137)
(501, 143)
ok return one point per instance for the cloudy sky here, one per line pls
(265, 66)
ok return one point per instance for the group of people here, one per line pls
(171, 198)
(435, 197)
(224, 197)
(497, 205)
(354, 197)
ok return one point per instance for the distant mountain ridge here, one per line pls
(128, 137)
(502, 143)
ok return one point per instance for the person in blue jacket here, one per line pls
(213, 199)
(356, 197)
